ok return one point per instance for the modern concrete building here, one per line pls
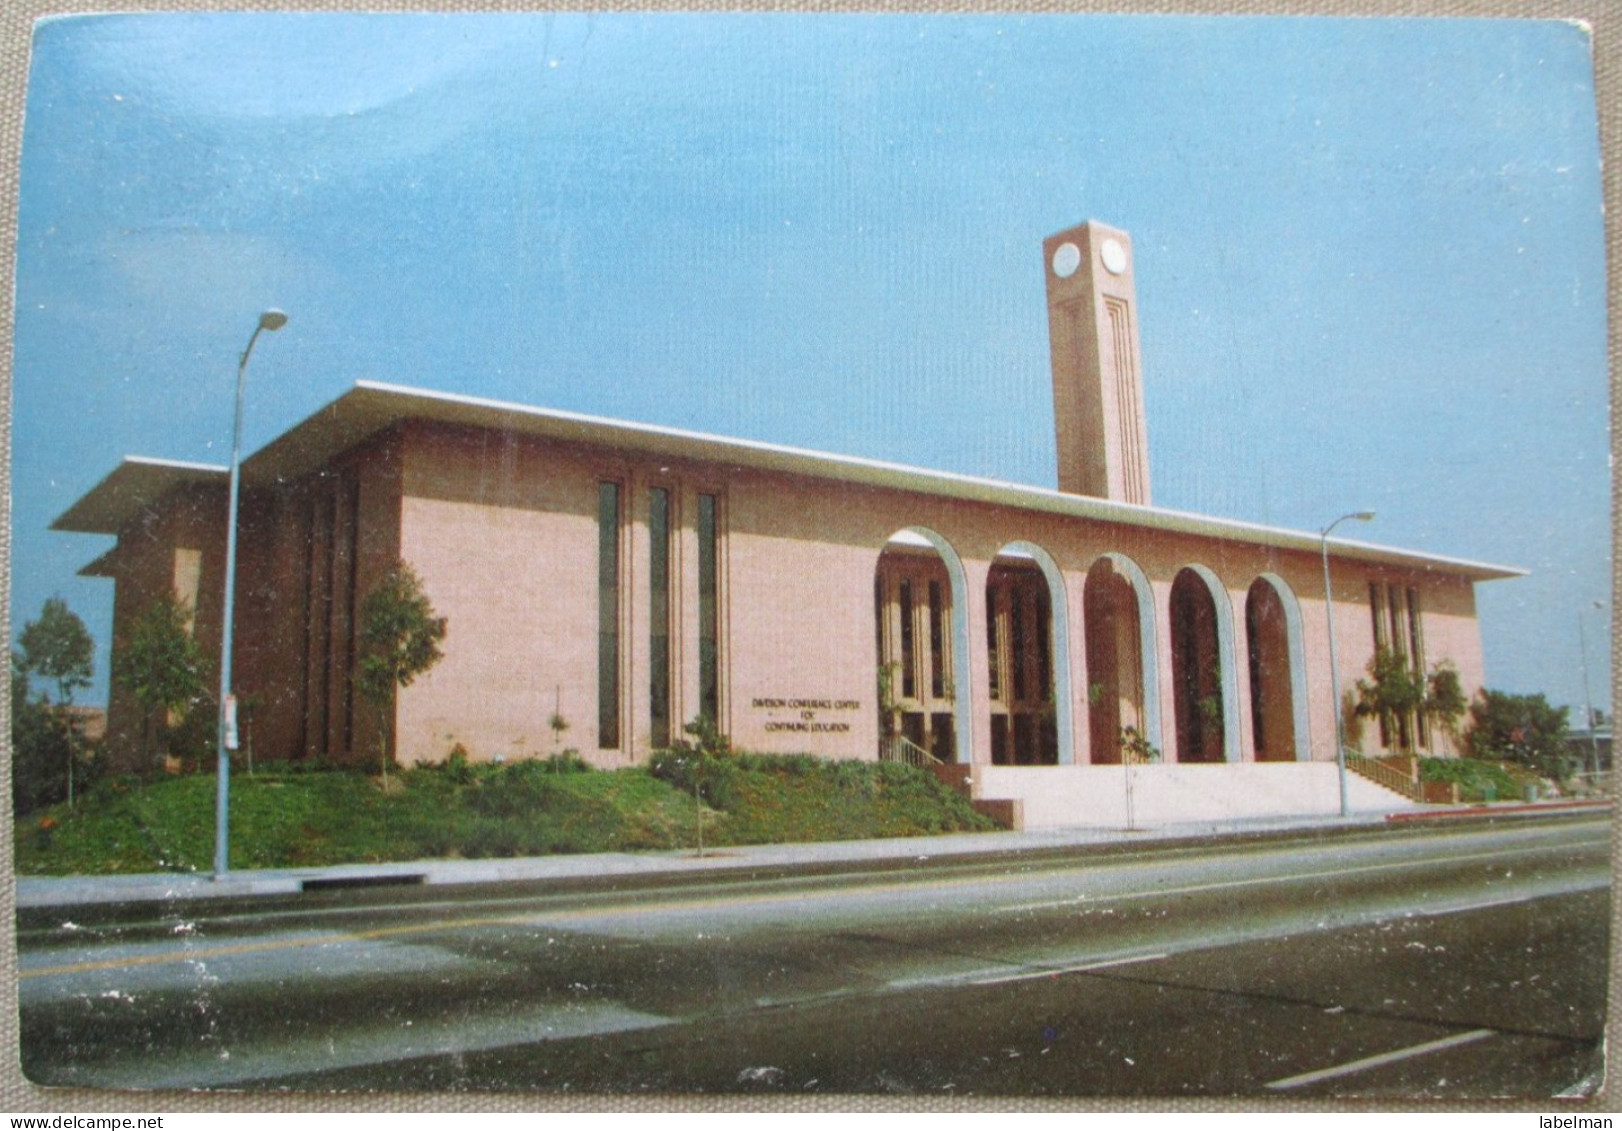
(630, 578)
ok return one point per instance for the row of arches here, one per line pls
(924, 650)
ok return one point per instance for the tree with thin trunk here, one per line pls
(57, 648)
(163, 667)
(399, 640)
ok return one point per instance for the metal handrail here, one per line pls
(1383, 775)
(900, 748)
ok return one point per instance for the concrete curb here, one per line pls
(1497, 810)
(40, 897)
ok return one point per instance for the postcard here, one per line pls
(1038, 556)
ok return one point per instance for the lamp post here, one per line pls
(269, 320)
(1334, 674)
(1588, 695)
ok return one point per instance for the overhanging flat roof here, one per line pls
(372, 407)
(136, 483)
(104, 566)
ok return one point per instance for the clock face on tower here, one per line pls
(1066, 258)
(1113, 256)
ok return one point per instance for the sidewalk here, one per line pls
(38, 892)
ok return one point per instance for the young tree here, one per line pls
(1393, 690)
(1520, 728)
(40, 745)
(1445, 701)
(399, 640)
(164, 669)
(1396, 690)
(57, 648)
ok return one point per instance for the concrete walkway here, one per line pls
(39, 892)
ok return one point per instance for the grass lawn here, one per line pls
(282, 819)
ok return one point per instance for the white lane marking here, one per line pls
(1484, 905)
(1384, 1058)
(1255, 881)
(1052, 972)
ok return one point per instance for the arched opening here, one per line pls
(1277, 680)
(1027, 659)
(1119, 634)
(921, 649)
(1203, 709)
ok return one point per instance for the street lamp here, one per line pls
(1588, 695)
(226, 739)
(1334, 675)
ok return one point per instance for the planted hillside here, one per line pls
(282, 818)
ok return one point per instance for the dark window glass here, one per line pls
(909, 680)
(1025, 753)
(608, 616)
(659, 615)
(1377, 612)
(993, 645)
(352, 600)
(937, 654)
(1017, 612)
(941, 742)
(1049, 734)
(912, 728)
(1399, 643)
(1258, 692)
(1044, 644)
(709, 633)
(878, 619)
(1416, 646)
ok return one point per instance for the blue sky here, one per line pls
(1368, 254)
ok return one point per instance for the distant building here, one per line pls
(1591, 747)
(633, 577)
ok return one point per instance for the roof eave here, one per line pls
(373, 407)
(137, 483)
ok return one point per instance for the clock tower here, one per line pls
(1097, 378)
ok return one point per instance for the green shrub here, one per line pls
(514, 790)
(687, 768)
(457, 768)
(289, 816)
(1475, 778)
(568, 762)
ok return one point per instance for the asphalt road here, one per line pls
(1466, 962)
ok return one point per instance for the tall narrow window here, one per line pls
(937, 651)
(1258, 671)
(1019, 644)
(1377, 612)
(608, 616)
(878, 618)
(1416, 638)
(1399, 639)
(352, 597)
(709, 629)
(909, 648)
(1044, 645)
(1416, 653)
(993, 646)
(659, 615)
(188, 582)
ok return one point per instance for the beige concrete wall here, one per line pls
(503, 531)
(503, 534)
(1056, 796)
(188, 520)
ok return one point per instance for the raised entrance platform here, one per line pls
(1052, 796)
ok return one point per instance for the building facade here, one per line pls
(625, 579)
